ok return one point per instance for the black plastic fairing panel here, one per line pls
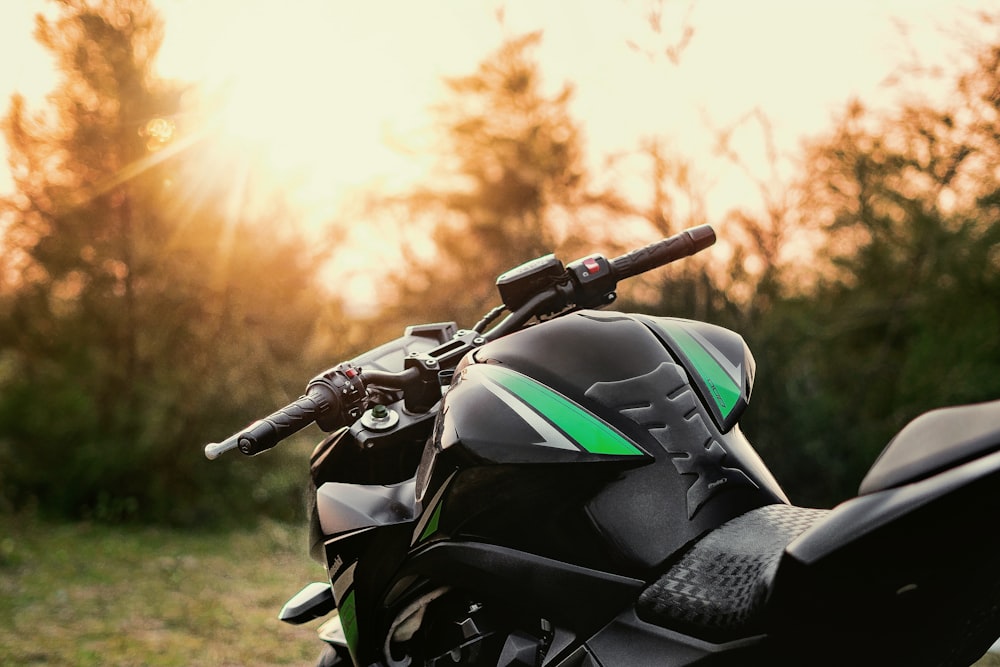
(628, 640)
(905, 575)
(933, 442)
(579, 598)
(418, 338)
(867, 515)
(346, 507)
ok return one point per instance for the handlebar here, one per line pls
(338, 396)
(662, 252)
(333, 398)
(265, 433)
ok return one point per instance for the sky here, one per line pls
(358, 79)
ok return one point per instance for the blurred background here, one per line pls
(205, 203)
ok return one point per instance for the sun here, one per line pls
(314, 109)
(291, 90)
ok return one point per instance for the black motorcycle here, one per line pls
(571, 488)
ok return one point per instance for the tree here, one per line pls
(903, 311)
(892, 306)
(138, 320)
(513, 187)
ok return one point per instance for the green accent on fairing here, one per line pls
(349, 621)
(583, 428)
(724, 390)
(432, 524)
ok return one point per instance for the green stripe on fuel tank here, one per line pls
(724, 390)
(586, 430)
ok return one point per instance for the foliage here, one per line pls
(690, 288)
(902, 310)
(869, 290)
(141, 316)
(513, 187)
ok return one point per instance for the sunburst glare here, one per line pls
(285, 103)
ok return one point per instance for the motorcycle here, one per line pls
(571, 488)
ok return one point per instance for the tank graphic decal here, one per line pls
(349, 621)
(663, 403)
(430, 520)
(721, 377)
(564, 422)
(551, 436)
(432, 524)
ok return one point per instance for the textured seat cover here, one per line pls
(933, 442)
(719, 588)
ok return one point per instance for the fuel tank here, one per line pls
(652, 401)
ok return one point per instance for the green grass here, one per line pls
(95, 595)
(86, 594)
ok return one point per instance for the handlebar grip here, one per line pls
(332, 398)
(265, 433)
(662, 252)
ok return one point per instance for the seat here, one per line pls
(933, 442)
(719, 587)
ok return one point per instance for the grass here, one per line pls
(86, 594)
